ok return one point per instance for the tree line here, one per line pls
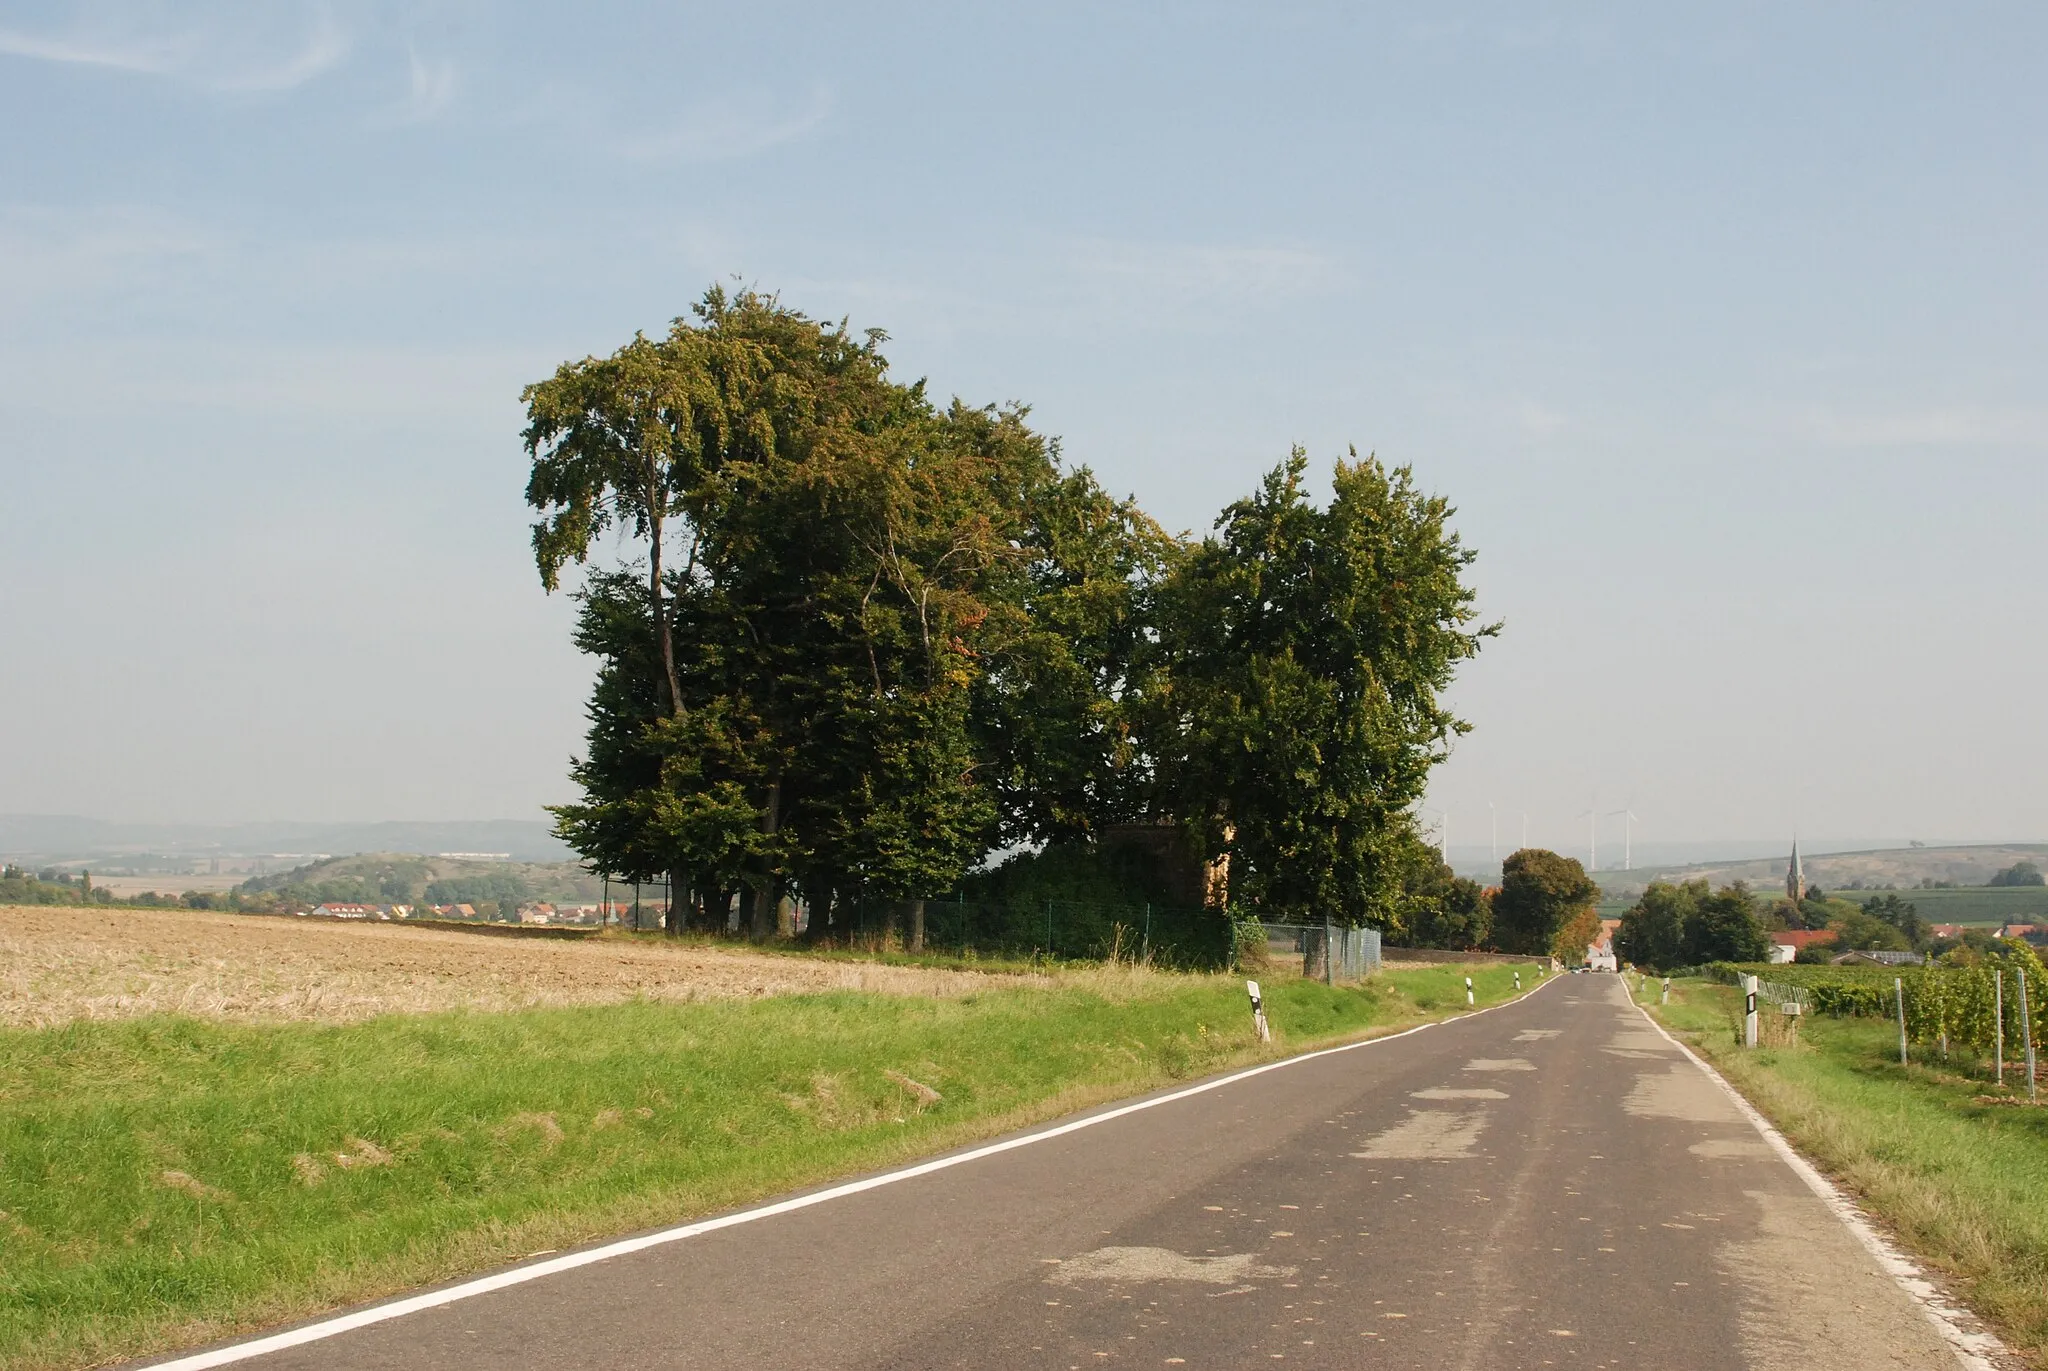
(850, 641)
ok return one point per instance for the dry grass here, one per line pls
(63, 965)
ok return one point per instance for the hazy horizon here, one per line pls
(1722, 330)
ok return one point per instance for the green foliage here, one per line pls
(1653, 931)
(1688, 925)
(1297, 709)
(2018, 874)
(1436, 906)
(886, 638)
(17, 886)
(1726, 928)
(1952, 1002)
(1540, 892)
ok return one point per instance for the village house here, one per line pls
(1785, 944)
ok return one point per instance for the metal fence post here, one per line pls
(1145, 946)
(1998, 1025)
(1329, 957)
(2026, 1031)
(1899, 992)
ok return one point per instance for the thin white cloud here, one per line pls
(324, 47)
(88, 50)
(430, 89)
(739, 126)
(232, 47)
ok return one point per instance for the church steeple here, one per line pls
(1795, 877)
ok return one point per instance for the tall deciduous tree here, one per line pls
(1653, 931)
(1297, 708)
(1540, 892)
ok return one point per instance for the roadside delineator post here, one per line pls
(1749, 1011)
(1667, 991)
(1258, 1012)
(2026, 1032)
(1518, 982)
(1469, 1001)
(1899, 992)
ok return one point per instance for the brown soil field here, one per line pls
(58, 965)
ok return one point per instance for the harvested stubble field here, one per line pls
(61, 966)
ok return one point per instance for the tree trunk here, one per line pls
(662, 628)
(821, 915)
(917, 926)
(674, 918)
(769, 892)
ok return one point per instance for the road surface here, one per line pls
(1551, 1183)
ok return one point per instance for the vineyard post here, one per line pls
(1899, 990)
(2026, 1031)
(1998, 1023)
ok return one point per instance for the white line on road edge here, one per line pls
(1973, 1350)
(484, 1285)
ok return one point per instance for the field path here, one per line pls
(1551, 1183)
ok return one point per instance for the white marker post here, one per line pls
(1258, 1012)
(1667, 991)
(1518, 982)
(1998, 1025)
(2026, 1032)
(1469, 1001)
(1749, 1011)
(1899, 990)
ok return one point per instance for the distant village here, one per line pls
(535, 912)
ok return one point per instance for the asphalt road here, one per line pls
(1548, 1184)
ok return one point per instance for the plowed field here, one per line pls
(60, 965)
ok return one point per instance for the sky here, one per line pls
(1722, 325)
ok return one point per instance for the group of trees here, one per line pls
(1690, 924)
(2019, 873)
(855, 641)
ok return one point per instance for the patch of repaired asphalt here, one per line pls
(1445, 1092)
(1814, 1299)
(1499, 1064)
(1429, 1135)
(1683, 1093)
(1138, 1265)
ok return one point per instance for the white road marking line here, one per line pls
(504, 1280)
(1973, 1350)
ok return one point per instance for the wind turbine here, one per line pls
(1628, 829)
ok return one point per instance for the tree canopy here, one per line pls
(1540, 893)
(855, 641)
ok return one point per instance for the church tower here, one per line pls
(1795, 877)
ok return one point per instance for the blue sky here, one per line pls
(1722, 325)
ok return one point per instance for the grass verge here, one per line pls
(1956, 1169)
(169, 1180)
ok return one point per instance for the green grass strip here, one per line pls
(167, 1181)
(1956, 1169)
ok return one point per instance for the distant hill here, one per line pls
(407, 878)
(65, 837)
(1902, 867)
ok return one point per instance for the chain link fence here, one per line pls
(1328, 952)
